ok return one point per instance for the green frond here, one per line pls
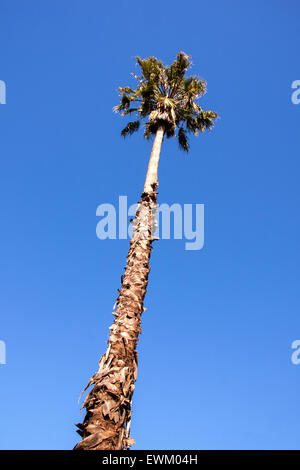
(180, 66)
(183, 140)
(130, 128)
(126, 100)
(126, 90)
(205, 120)
(137, 77)
(195, 87)
(192, 125)
(117, 109)
(147, 131)
(130, 111)
(151, 68)
(125, 103)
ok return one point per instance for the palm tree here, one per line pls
(165, 102)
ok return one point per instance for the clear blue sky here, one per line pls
(215, 367)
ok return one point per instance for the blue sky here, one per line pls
(215, 368)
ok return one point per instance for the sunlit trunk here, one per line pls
(151, 177)
(106, 425)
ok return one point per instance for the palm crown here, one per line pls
(165, 97)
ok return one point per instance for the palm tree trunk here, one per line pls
(106, 425)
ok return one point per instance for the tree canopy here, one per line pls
(166, 97)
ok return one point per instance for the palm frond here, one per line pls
(205, 120)
(147, 131)
(183, 140)
(130, 128)
(130, 111)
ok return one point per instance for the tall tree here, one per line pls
(165, 101)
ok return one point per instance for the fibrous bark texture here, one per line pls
(106, 425)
